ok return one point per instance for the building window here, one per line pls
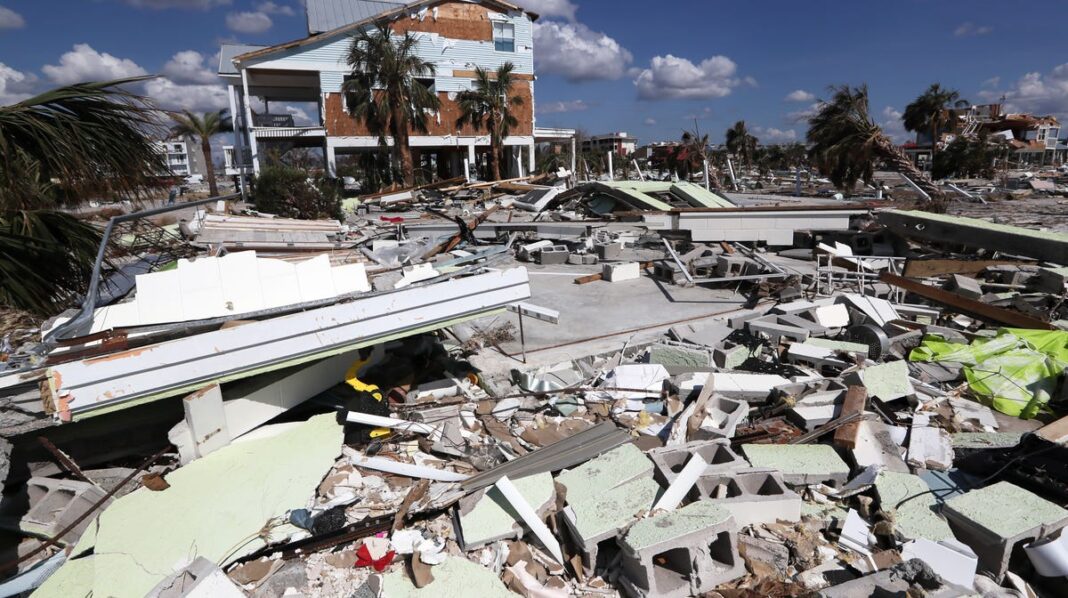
(503, 36)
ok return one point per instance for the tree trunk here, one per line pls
(205, 147)
(495, 157)
(899, 162)
(400, 143)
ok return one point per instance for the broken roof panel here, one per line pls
(327, 15)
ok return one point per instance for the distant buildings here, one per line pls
(182, 156)
(1032, 139)
(457, 36)
(619, 143)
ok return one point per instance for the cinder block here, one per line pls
(729, 266)
(775, 331)
(685, 552)
(738, 320)
(670, 460)
(55, 504)
(582, 259)
(528, 251)
(994, 519)
(800, 464)
(608, 251)
(799, 321)
(669, 272)
(722, 416)
(752, 496)
(964, 286)
(555, 255)
(621, 272)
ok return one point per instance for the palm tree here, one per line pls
(489, 105)
(383, 90)
(929, 112)
(57, 147)
(204, 128)
(741, 143)
(845, 142)
(694, 154)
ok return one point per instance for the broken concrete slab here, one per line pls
(898, 580)
(886, 381)
(747, 387)
(682, 553)
(679, 356)
(964, 286)
(137, 541)
(951, 560)
(201, 579)
(914, 508)
(876, 446)
(454, 577)
(488, 516)
(929, 447)
(994, 519)
(776, 331)
(800, 464)
(815, 357)
(764, 558)
(832, 316)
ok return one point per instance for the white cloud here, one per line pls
(970, 29)
(773, 135)
(802, 116)
(800, 95)
(892, 125)
(578, 53)
(300, 116)
(188, 67)
(992, 82)
(650, 121)
(273, 8)
(550, 8)
(1036, 93)
(558, 107)
(248, 22)
(15, 85)
(195, 98)
(671, 77)
(10, 19)
(161, 4)
(83, 63)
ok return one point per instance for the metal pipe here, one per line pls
(678, 261)
(85, 313)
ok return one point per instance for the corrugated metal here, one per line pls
(327, 15)
(227, 53)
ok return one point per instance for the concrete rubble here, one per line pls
(605, 388)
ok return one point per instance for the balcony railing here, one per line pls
(272, 120)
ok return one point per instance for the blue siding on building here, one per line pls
(446, 54)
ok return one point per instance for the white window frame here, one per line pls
(503, 33)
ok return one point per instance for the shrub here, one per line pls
(288, 192)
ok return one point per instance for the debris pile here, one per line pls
(635, 389)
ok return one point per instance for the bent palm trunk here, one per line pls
(899, 162)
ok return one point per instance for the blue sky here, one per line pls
(648, 68)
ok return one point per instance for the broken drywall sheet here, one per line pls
(454, 577)
(235, 284)
(215, 507)
(487, 517)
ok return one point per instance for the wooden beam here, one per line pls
(966, 306)
(856, 399)
(939, 267)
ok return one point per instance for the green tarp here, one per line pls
(1015, 372)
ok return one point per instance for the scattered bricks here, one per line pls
(55, 504)
(964, 286)
(582, 259)
(993, 520)
(670, 460)
(738, 320)
(669, 272)
(721, 417)
(886, 382)
(797, 321)
(685, 552)
(764, 558)
(856, 400)
(608, 251)
(776, 332)
(752, 496)
(621, 272)
(555, 255)
(800, 464)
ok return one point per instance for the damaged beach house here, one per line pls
(548, 385)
